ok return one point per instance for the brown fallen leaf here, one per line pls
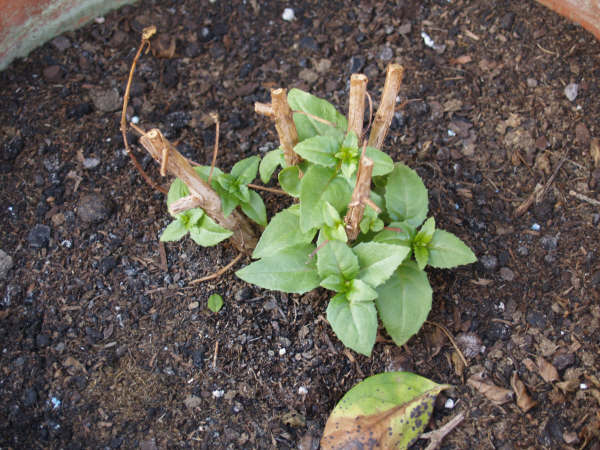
(568, 386)
(531, 366)
(524, 400)
(546, 370)
(494, 393)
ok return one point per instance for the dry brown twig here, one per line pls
(452, 341)
(385, 112)
(219, 272)
(147, 33)
(284, 124)
(435, 437)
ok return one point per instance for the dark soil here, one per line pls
(104, 344)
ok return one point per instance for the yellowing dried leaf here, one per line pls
(494, 393)
(524, 400)
(546, 370)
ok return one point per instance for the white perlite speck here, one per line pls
(281, 351)
(302, 390)
(449, 404)
(288, 14)
(218, 393)
(571, 91)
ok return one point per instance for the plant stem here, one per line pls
(284, 123)
(385, 113)
(360, 195)
(148, 32)
(356, 104)
(244, 237)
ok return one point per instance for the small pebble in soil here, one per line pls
(30, 397)
(94, 208)
(107, 264)
(532, 82)
(536, 319)
(288, 14)
(41, 340)
(243, 294)
(281, 351)
(6, 263)
(449, 404)
(39, 236)
(507, 274)
(489, 262)
(386, 54)
(12, 148)
(302, 390)
(583, 386)
(571, 91)
(549, 242)
(356, 64)
(497, 331)
(522, 251)
(106, 100)
(536, 227)
(90, 163)
(563, 360)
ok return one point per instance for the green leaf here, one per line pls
(335, 233)
(204, 172)
(289, 180)
(421, 256)
(406, 196)
(208, 233)
(174, 231)
(383, 164)
(330, 215)
(215, 303)
(177, 190)
(319, 185)
(446, 250)
(333, 283)
(269, 163)
(404, 302)
(355, 324)
(255, 209)
(319, 150)
(244, 171)
(378, 261)
(336, 258)
(350, 140)
(228, 201)
(359, 291)
(289, 270)
(389, 410)
(307, 126)
(282, 231)
(426, 232)
(397, 233)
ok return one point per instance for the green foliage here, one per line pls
(215, 303)
(381, 273)
(389, 410)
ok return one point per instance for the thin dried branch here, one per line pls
(436, 436)
(385, 113)
(215, 117)
(147, 33)
(284, 123)
(356, 104)
(244, 237)
(264, 109)
(219, 272)
(451, 339)
(360, 195)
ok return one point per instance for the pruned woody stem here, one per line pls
(280, 111)
(203, 196)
